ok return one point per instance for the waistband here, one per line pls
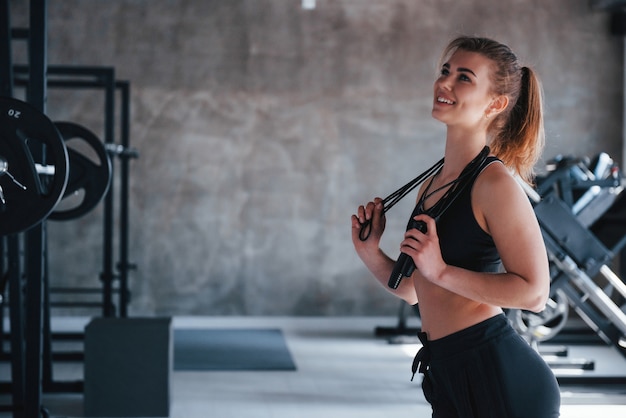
(470, 337)
(459, 341)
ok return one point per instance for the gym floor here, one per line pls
(343, 370)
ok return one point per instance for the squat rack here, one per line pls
(26, 253)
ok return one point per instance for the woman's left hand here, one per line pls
(424, 249)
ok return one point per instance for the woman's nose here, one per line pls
(445, 83)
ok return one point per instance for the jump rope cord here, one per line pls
(389, 201)
(468, 174)
(446, 200)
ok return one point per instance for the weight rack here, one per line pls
(24, 255)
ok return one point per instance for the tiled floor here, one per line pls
(343, 371)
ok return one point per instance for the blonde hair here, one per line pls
(516, 134)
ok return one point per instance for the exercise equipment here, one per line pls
(24, 262)
(570, 202)
(128, 365)
(89, 175)
(116, 96)
(31, 184)
(68, 183)
(25, 266)
(545, 325)
(88, 157)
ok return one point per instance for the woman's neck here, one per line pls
(459, 151)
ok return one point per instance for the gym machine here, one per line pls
(40, 177)
(580, 208)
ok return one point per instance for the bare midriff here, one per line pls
(443, 312)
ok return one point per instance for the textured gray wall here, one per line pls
(261, 127)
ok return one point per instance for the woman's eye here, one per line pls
(444, 71)
(463, 77)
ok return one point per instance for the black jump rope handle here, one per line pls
(405, 266)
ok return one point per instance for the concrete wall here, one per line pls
(261, 126)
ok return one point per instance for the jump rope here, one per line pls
(405, 266)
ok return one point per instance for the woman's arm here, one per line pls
(377, 262)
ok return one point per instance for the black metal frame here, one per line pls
(93, 77)
(26, 254)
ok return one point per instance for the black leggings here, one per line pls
(487, 370)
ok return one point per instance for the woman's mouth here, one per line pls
(444, 100)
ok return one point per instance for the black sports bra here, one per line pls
(462, 240)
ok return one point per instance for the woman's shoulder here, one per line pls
(497, 184)
(495, 171)
(499, 199)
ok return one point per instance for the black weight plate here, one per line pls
(90, 172)
(25, 133)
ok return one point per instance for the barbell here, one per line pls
(59, 171)
(34, 166)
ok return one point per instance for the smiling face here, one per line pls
(462, 92)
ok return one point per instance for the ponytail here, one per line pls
(520, 138)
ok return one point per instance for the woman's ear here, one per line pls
(498, 104)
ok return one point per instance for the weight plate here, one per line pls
(546, 324)
(34, 169)
(90, 172)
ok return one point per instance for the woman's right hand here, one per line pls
(369, 221)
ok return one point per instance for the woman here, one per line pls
(485, 251)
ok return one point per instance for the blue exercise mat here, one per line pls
(231, 349)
